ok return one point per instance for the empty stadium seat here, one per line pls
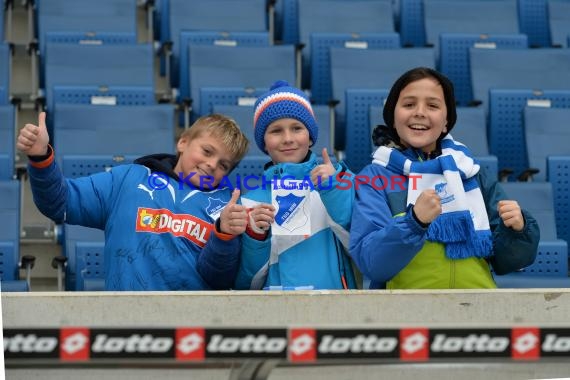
(506, 131)
(97, 65)
(559, 22)
(550, 268)
(369, 69)
(534, 69)
(558, 174)
(87, 19)
(7, 141)
(246, 67)
(10, 261)
(113, 130)
(454, 57)
(180, 77)
(5, 73)
(476, 17)
(80, 245)
(208, 16)
(532, 20)
(340, 16)
(547, 134)
(321, 43)
(358, 124)
(229, 96)
(104, 95)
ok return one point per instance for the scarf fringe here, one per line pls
(461, 240)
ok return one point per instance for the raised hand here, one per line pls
(261, 217)
(320, 174)
(428, 206)
(33, 139)
(233, 219)
(511, 214)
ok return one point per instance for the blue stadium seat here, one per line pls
(369, 69)
(87, 19)
(113, 130)
(104, 95)
(412, 29)
(321, 43)
(5, 73)
(547, 134)
(67, 65)
(7, 141)
(340, 16)
(454, 57)
(90, 265)
(10, 237)
(506, 130)
(541, 69)
(229, 96)
(84, 22)
(77, 243)
(559, 21)
(358, 124)
(533, 21)
(550, 268)
(254, 67)
(476, 17)
(180, 61)
(208, 16)
(3, 5)
(558, 174)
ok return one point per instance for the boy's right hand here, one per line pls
(428, 206)
(233, 219)
(33, 139)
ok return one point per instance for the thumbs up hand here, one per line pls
(320, 174)
(33, 139)
(233, 219)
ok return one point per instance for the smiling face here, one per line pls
(204, 155)
(420, 116)
(287, 140)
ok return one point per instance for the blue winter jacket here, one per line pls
(159, 235)
(318, 261)
(385, 237)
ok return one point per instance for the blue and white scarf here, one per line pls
(463, 225)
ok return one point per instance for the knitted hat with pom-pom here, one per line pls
(280, 102)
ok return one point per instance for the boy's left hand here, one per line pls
(233, 219)
(511, 214)
(320, 174)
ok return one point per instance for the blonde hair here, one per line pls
(223, 128)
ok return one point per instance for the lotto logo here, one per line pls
(74, 344)
(414, 344)
(302, 345)
(190, 344)
(556, 344)
(525, 343)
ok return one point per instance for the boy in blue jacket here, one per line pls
(447, 223)
(168, 225)
(285, 129)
